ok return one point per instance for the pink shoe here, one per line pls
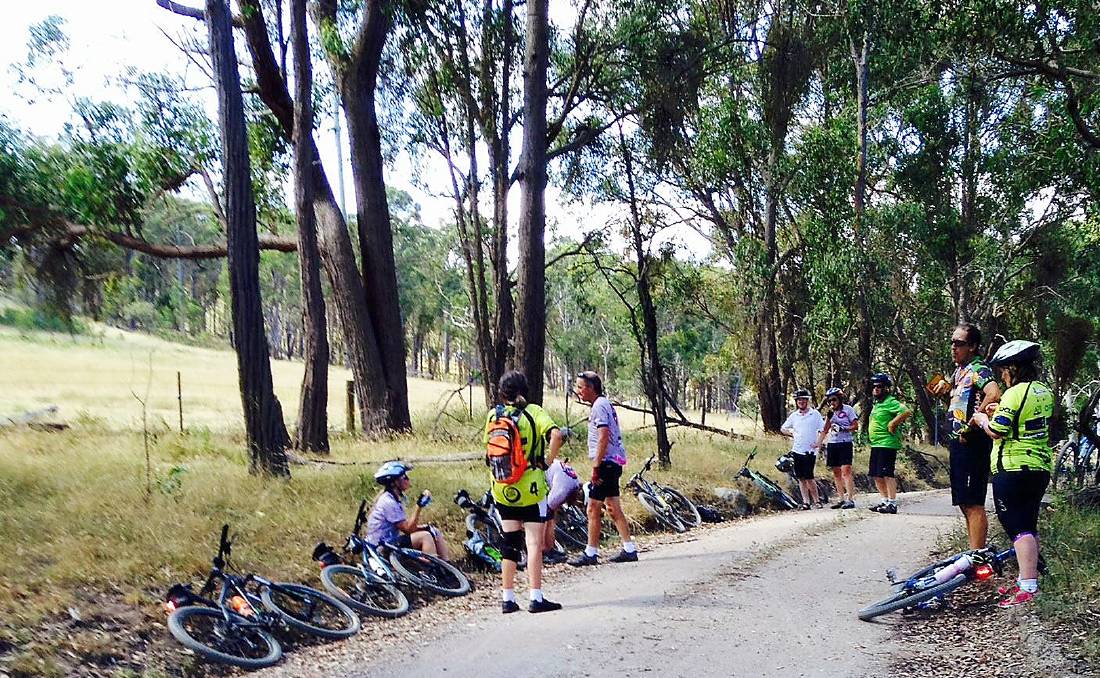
(1019, 598)
(1008, 589)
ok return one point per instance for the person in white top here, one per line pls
(802, 426)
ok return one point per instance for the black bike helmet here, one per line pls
(882, 379)
(801, 393)
(1015, 352)
(834, 392)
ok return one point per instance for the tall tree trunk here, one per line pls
(358, 79)
(531, 306)
(263, 416)
(653, 371)
(860, 54)
(500, 158)
(358, 347)
(769, 388)
(312, 433)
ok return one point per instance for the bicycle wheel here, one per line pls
(1065, 465)
(430, 572)
(661, 512)
(908, 598)
(571, 527)
(682, 506)
(310, 610)
(205, 631)
(364, 594)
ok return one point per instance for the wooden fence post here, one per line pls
(179, 397)
(349, 421)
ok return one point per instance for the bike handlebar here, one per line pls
(360, 516)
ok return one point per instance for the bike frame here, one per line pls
(989, 555)
(763, 482)
(371, 555)
(638, 483)
(230, 584)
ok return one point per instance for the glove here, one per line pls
(424, 499)
(595, 475)
(566, 433)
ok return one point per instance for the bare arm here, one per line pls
(897, 421)
(603, 437)
(990, 394)
(555, 446)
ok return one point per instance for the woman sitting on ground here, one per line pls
(388, 522)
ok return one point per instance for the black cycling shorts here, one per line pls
(838, 454)
(609, 473)
(804, 466)
(883, 460)
(970, 468)
(533, 513)
(1017, 496)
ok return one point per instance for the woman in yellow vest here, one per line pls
(522, 504)
(1020, 461)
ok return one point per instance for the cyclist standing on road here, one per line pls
(887, 415)
(972, 389)
(841, 421)
(1020, 459)
(605, 449)
(522, 504)
(803, 426)
(388, 523)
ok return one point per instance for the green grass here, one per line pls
(1070, 537)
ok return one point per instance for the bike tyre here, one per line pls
(1065, 465)
(664, 515)
(683, 507)
(571, 533)
(346, 618)
(368, 606)
(402, 561)
(177, 627)
(903, 599)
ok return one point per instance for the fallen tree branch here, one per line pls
(683, 421)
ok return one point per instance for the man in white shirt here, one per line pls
(802, 426)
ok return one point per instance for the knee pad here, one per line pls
(513, 544)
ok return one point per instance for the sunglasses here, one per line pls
(959, 343)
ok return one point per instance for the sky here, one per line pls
(109, 36)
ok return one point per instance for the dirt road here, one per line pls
(772, 596)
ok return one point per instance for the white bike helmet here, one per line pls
(391, 471)
(1015, 352)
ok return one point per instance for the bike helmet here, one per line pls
(834, 392)
(391, 471)
(882, 379)
(801, 393)
(1015, 352)
(785, 464)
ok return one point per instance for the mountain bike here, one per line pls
(234, 627)
(939, 579)
(371, 585)
(571, 526)
(483, 521)
(772, 492)
(656, 501)
(1077, 458)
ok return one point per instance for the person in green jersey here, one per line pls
(522, 505)
(1020, 461)
(887, 415)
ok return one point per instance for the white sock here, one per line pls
(1029, 585)
(508, 595)
(536, 595)
(629, 547)
(591, 551)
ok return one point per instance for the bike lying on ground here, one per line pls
(669, 507)
(941, 578)
(571, 526)
(371, 584)
(772, 492)
(235, 626)
(484, 530)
